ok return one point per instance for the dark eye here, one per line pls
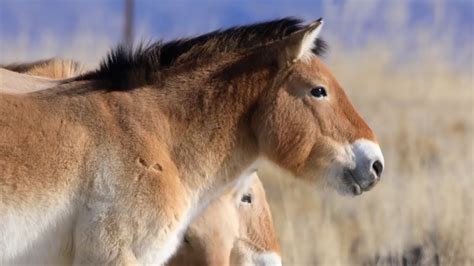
(247, 198)
(319, 92)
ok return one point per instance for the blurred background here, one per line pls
(406, 65)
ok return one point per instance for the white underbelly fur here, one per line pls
(45, 237)
(36, 235)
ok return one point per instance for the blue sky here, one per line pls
(349, 22)
(168, 19)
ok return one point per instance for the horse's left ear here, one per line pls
(299, 45)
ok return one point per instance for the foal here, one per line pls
(236, 229)
(119, 161)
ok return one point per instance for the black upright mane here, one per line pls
(122, 63)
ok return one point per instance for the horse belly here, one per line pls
(40, 235)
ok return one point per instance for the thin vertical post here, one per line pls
(128, 23)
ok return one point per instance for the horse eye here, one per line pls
(247, 198)
(319, 92)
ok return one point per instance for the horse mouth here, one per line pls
(356, 188)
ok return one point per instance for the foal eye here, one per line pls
(319, 92)
(247, 198)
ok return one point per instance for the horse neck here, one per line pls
(210, 121)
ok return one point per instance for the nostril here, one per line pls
(378, 168)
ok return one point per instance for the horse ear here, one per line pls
(299, 45)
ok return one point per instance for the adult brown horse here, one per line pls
(53, 68)
(235, 229)
(120, 160)
(36, 76)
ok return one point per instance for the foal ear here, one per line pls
(299, 45)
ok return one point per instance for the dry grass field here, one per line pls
(421, 108)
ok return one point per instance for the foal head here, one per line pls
(236, 229)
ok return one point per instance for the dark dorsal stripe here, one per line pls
(126, 64)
